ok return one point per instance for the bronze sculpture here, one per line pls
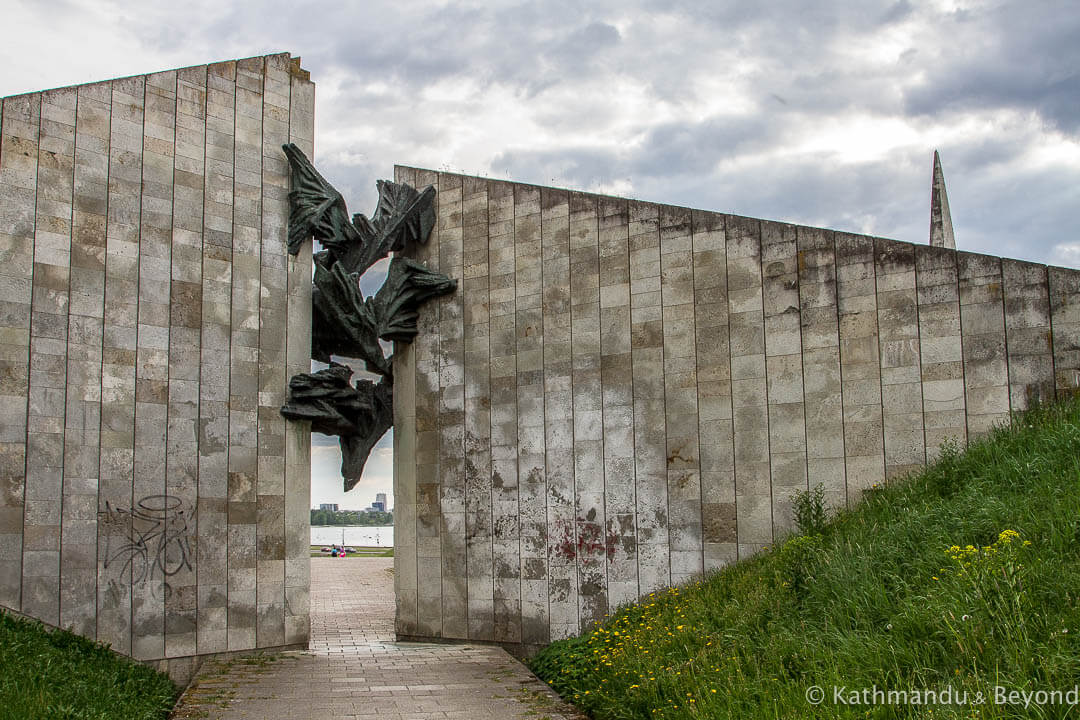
(346, 324)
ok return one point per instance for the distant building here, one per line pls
(380, 503)
(332, 507)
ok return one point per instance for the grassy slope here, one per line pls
(61, 676)
(878, 599)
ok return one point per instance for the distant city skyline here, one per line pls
(380, 503)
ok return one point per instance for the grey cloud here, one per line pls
(814, 190)
(695, 148)
(1007, 56)
(582, 45)
(530, 45)
(898, 11)
(671, 149)
(888, 197)
(579, 167)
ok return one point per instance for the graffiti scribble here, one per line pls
(590, 542)
(152, 535)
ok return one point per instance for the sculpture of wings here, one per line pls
(344, 322)
(316, 208)
(402, 216)
(359, 415)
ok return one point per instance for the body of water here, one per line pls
(332, 535)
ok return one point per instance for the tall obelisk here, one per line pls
(941, 229)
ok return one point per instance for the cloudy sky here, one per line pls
(821, 113)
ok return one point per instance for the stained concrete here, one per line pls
(153, 498)
(622, 395)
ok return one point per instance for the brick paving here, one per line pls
(355, 669)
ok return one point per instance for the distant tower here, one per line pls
(380, 502)
(941, 230)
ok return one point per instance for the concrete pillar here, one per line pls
(941, 227)
(784, 369)
(152, 353)
(860, 368)
(617, 393)
(474, 289)
(1028, 335)
(45, 127)
(982, 323)
(502, 314)
(713, 361)
(1065, 317)
(681, 420)
(82, 424)
(298, 360)
(648, 345)
(405, 459)
(273, 377)
(214, 360)
(822, 389)
(531, 440)
(428, 510)
(558, 410)
(901, 384)
(118, 374)
(749, 391)
(451, 413)
(591, 524)
(941, 349)
(244, 357)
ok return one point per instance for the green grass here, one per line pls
(361, 551)
(61, 676)
(886, 595)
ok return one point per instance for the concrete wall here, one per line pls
(151, 496)
(622, 395)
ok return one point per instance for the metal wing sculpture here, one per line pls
(318, 210)
(359, 415)
(344, 322)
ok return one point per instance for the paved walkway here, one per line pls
(355, 669)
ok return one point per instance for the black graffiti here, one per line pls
(154, 535)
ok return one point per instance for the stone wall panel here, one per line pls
(749, 386)
(1028, 334)
(588, 544)
(142, 227)
(822, 389)
(1065, 319)
(647, 386)
(900, 352)
(982, 329)
(784, 369)
(45, 419)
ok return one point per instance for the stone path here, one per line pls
(355, 669)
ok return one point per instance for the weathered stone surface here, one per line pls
(143, 316)
(623, 394)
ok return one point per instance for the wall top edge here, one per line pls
(292, 63)
(882, 244)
